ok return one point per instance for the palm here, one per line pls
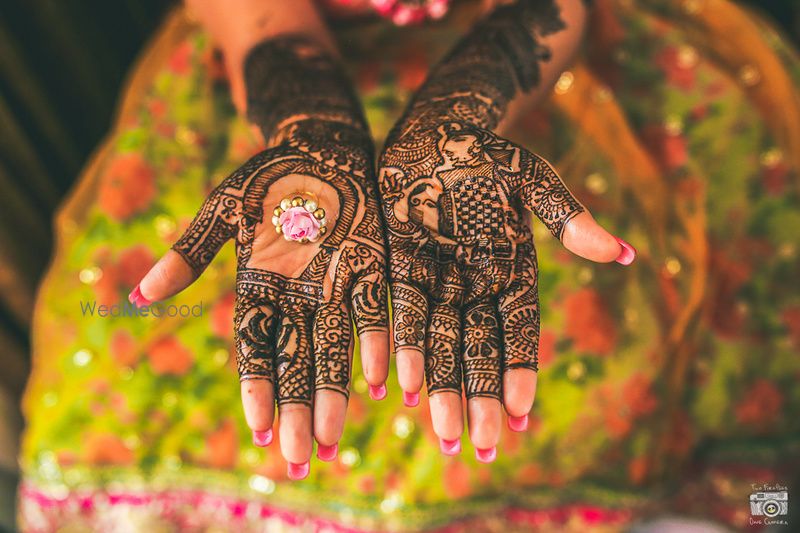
(463, 262)
(294, 298)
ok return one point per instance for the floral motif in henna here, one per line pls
(290, 330)
(463, 268)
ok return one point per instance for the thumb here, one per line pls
(583, 236)
(169, 276)
(547, 196)
(212, 227)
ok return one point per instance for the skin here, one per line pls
(581, 234)
(238, 28)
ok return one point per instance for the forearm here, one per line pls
(281, 60)
(508, 60)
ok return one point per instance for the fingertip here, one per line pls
(584, 237)
(294, 432)
(518, 423)
(485, 416)
(447, 415)
(137, 299)
(258, 404)
(377, 392)
(450, 447)
(327, 453)
(519, 391)
(330, 411)
(298, 471)
(627, 253)
(262, 438)
(410, 399)
(375, 356)
(410, 369)
(170, 275)
(486, 455)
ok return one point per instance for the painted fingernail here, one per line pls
(627, 254)
(262, 438)
(518, 423)
(136, 298)
(411, 399)
(327, 453)
(486, 455)
(450, 447)
(377, 393)
(297, 471)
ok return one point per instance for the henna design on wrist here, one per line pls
(293, 77)
(463, 270)
(294, 329)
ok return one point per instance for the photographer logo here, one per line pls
(769, 505)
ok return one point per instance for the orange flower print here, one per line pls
(760, 407)
(791, 318)
(412, 69)
(622, 404)
(106, 289)
(456, 477)
(670, 148)
(637, 469)
(222, 446)
(169, 356)
(679, 65)
(547, 348)
(180, 61)
(588, 323)
(127, 187)
(222, 316)
(106, 449)
(134, 263)
(123, 348)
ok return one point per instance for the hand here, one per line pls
(295, 300)
(463, 270)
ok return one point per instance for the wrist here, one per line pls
(292, 78)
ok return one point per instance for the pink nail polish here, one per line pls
(627, 254)
(450, 447)
(518, 423)
(262, 438)
(487, 455)
(410, 399)
(136, 298)
(377, 393)
(327, 453)
(298, 471)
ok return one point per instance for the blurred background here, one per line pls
(62, 63)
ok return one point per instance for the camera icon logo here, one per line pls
(769, 504)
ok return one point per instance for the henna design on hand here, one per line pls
(463, 270)
(294, 301)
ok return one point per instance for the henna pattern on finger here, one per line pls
(518, 306)
(255, 341)
(481, 358)
(454, 199)
(295, 330)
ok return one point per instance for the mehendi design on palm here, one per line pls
(462, 264)
(294, 300)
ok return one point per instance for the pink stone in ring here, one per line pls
(297, 224)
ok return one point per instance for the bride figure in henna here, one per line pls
(464, 221)
(457, 198)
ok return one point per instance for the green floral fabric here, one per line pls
(687, 357)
